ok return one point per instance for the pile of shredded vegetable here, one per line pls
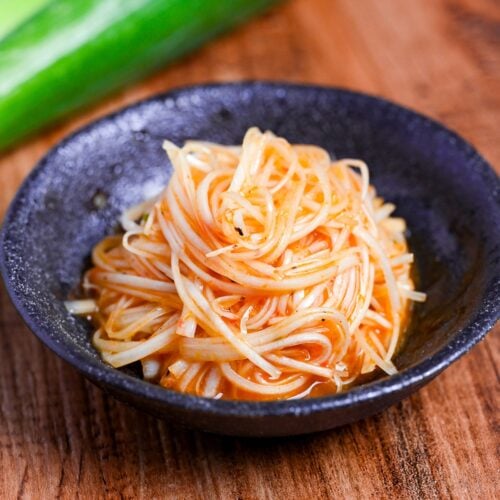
(266, 271)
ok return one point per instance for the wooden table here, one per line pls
(60, 436)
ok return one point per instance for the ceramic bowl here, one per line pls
(447, 193)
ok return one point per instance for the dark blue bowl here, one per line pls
(442, 187)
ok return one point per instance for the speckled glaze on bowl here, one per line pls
(445, 190)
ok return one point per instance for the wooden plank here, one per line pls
(62, 437)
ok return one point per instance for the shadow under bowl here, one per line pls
(447, 193)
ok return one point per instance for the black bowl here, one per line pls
(442, 187)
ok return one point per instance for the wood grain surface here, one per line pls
(62, 437)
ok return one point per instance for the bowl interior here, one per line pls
(440, 185)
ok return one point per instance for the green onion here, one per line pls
(14, 12)
(72, 52)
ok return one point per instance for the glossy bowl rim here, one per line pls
(97, 371)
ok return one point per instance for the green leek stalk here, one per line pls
(72, 52)
(14, 12)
